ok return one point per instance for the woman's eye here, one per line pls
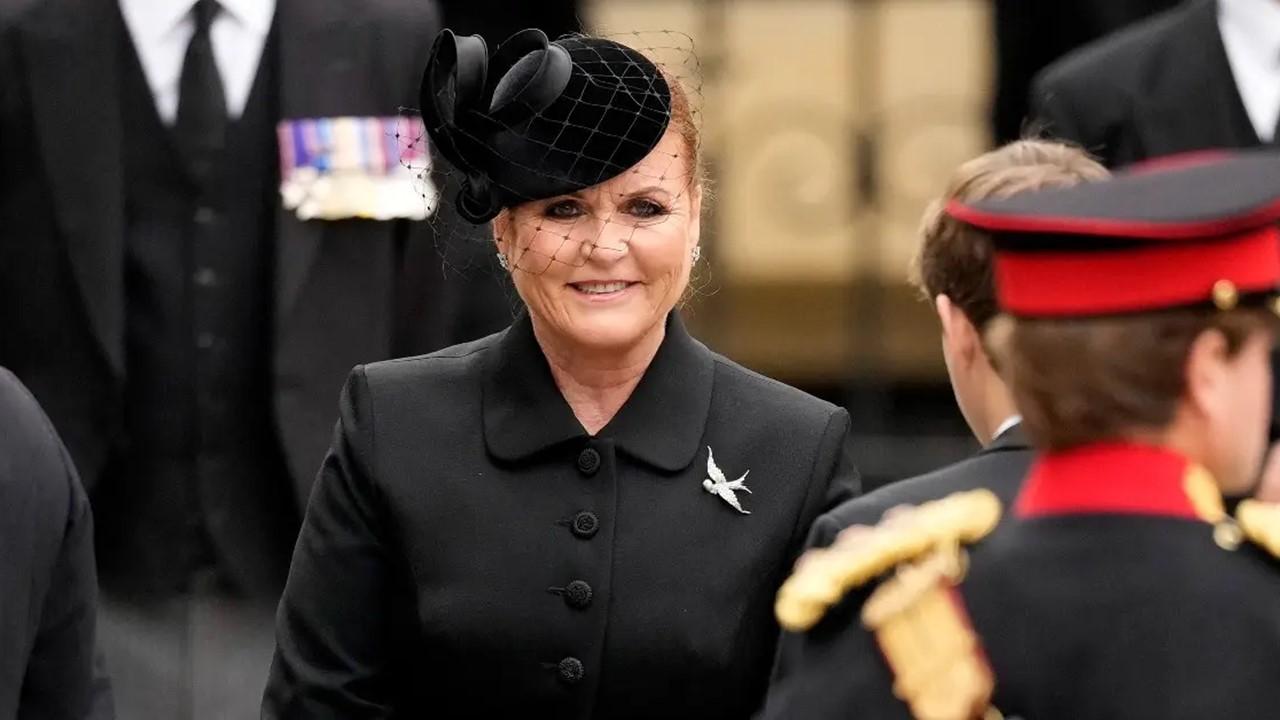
(646, 209)
(563, 210)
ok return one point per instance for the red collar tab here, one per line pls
(1151, 276)
(1115, 478)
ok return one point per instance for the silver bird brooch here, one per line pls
(717, 484)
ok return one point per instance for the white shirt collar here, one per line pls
(150, 20)
(254, 14)
(153, 19)
(1255, 25)
(1006, 426)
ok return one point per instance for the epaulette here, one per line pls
(919, 620)
(1260, 523)
(824, 575)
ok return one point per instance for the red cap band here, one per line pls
(1136, 279)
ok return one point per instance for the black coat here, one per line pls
(470, 552)
(1160, 87)
(1120, 613)
(48, 584)
(345, 292)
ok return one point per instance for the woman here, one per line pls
(588, 514)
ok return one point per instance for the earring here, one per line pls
(697, 252)
(502, 260)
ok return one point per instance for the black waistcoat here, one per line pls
(198, 417)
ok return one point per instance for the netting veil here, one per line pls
(540, 119)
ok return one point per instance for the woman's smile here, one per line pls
(600, 291)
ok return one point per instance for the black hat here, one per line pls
(539, 118)
(1200, 231)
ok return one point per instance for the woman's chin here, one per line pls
(603, 328)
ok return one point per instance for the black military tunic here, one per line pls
(999, 467)
(1118, 589)
(469, 551)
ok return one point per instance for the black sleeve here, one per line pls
(336, 628)
(61, 680)
(835, 463)
(823, 532)
(834, 478)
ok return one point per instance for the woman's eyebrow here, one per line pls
(646, 190)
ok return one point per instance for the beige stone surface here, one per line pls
(801, 98)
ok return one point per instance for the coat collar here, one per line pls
(661, 424)
(1013, 438)
(1120, 479)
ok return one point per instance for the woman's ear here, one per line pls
(695, 214)
(501, 225)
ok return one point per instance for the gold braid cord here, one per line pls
(919, 619)
(1260, 523)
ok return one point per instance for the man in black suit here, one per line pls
(48, 583)
(184, 330)
(1196, 77)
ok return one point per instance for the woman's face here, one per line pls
(602, 267)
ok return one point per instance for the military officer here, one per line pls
(1139, 314)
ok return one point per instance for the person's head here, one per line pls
(593, 189)
(603, 266)
(1143, 309)
(1197, 379)
(953, 266)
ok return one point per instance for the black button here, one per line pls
(577, 595)
(205, 341)
(571, 670)
(589, 461)
(206, 277)
(585, 524)
(205, 215)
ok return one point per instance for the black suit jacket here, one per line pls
(470, 552)
(1031, 34)
(1160, 87)
(48, 584)
(1000, 467)
(346, 292)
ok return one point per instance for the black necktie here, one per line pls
(201, 128)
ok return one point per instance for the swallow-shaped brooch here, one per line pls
(717, 484)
